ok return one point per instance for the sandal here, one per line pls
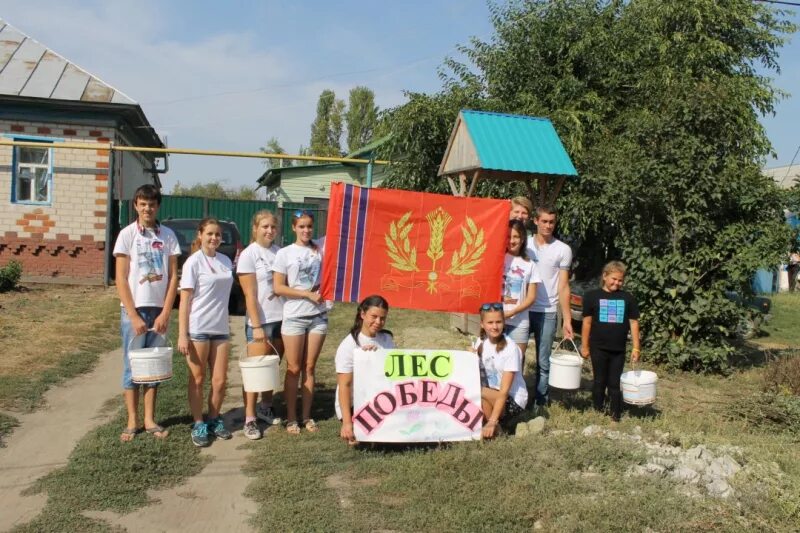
(128, 434)
(157, 432)
(293, 428)
(311, 425)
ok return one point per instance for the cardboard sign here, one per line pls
(416, 396)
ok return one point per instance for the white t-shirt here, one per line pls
(550, 260)
(302, 267)
(258, 259)
(508, 360)
(211, 279)
(149, 251)
(344, 356)
(518, 273)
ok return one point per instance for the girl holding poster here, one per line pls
(305, 320)
(367, 333)
(520, 277)
(504, 394)
(203, 330)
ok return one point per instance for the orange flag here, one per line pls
(418, 250)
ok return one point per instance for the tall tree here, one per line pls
(274, 147)
(326, 130)
(658, 105)
(362, 116)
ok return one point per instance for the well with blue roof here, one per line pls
(500, 146)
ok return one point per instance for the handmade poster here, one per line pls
(418, 250)
(403, 395)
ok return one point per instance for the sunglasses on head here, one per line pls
(303, 213)
(495, 306)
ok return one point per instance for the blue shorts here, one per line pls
(317, 324)
(519, 333)
(272, 330)
(206, 337)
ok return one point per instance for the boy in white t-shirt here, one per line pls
(553, 260)
(146, 278)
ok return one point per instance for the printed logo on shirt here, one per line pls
(150, 260)
(612, 311)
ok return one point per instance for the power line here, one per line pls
(795, 4)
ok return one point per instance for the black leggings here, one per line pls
(607, 366)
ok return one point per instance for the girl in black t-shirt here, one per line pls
(608, 314)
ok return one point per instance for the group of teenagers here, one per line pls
(286, 315)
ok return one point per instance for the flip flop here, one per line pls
(293, 428)
(311, 425)
(157, 429)
(128, 434)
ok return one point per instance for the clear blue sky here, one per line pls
(229, 75)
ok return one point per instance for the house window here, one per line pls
(32, 176)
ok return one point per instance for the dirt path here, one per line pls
(46, 437)
(210, 501)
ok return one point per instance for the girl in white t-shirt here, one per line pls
(296, 277)
(262, 327)
(503, 391)
(520, 277)
(368, 334)
(203, 330)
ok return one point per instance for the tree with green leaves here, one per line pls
(326, 130)
(214, 189)
(658, 105)
(274, 147)
(361, 117)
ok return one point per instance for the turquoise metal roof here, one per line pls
(517, 143)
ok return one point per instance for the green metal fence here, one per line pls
(239, 211)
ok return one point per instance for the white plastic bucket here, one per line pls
(638, 387)
(260, 373)
(150, 365)
(565, 368)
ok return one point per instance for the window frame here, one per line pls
(15, 168)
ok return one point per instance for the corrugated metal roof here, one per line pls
(517, 143)
(28, 68)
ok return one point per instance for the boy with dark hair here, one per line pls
(146, 279)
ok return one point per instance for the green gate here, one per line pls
(239, 211)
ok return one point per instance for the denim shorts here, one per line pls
(272, 330)
(150, 339)
(206, 337)
(305, 324)
(519, 333)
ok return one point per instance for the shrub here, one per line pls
(768, 412)
(782, 376)
(10, 275)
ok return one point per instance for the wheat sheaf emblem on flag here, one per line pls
(463, 261)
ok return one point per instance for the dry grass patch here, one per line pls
(50, 333)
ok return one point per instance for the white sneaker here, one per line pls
(251, 431)
(267, 415)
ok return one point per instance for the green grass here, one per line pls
(7, 425)
(784, 326)
(565, 482)
(317, 483)
(103, 473)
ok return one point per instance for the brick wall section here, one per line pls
(66, 238)
(55, 258)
